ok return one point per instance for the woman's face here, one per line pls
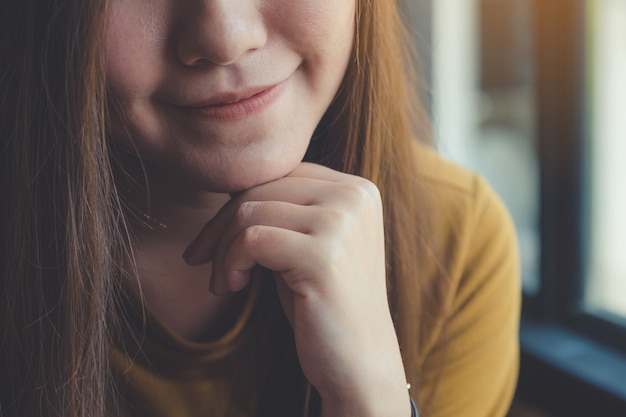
(224, 93)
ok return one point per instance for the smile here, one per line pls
(232, 108)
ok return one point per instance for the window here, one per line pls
(532, 94)
(605, 288)
(483, 79)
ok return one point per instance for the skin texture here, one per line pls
(165, 56)
(228, 181)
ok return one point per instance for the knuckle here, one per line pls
(372, 189)
(336, 218)
(355, 193)
(250, 236)
(244, 212)
(363, 193)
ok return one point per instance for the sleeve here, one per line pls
(471, 370)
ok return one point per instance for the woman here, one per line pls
(152, 150)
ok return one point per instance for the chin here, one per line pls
(238, 177)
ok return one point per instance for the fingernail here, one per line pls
(189, 256)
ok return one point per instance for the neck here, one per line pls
(165, 205)
(165, 215)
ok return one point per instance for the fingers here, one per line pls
(328, 187)
(247, 207)
(245, 232)
(218, 234)
(322, 233)
(274, 248)
(270, 225)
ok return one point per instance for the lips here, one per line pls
(228, 98)
(233, 106)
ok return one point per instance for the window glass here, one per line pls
(484, 105)
(606, 156)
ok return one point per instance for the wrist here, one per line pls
(378, 403)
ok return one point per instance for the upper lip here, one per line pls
(222, 98)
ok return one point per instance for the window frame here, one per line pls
(554, 315)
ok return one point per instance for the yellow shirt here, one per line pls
(473, 353)
(469, 359)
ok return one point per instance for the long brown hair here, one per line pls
(59, 227)
(62, 241)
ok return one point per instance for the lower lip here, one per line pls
(240, 110)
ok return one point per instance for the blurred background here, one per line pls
(532, 94)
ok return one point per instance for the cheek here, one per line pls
(317, 27)
(322, 33)
(131, 49)
(133, 69)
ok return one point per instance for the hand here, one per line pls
(321, 231)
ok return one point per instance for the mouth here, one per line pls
(234, 106)
(228, 98)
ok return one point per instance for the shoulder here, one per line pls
(440, 172)
(459, 203)
(454, 190)
(474, 238)
(469, 226)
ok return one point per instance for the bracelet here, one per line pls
(413, 409)
(413, 406)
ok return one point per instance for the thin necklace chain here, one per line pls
(145, 219)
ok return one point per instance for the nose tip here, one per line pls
(220, 33)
